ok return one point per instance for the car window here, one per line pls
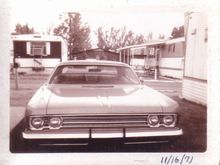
(93, 74)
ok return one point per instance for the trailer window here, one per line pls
(38, 48)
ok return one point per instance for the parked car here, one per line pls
(90, 100)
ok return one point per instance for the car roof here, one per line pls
(93, 62)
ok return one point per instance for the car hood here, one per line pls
(106, 100)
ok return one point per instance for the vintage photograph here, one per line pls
(115, 78)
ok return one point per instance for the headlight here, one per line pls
(153, 120)
(168, 120)
(37, 122)
(55, 122)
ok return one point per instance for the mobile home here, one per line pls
(171, 59)
(34, 52)
(164, 56)
(194, 87)
(97, 53)
(144, 56)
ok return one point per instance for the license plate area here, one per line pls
(107, 133)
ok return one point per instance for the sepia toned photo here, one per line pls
(129, 93)
(109, 78)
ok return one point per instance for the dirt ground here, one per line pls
(193, 116)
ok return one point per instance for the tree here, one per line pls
(181, 31)
(150, 36)
(116, 38)
(74, 32)
(23, 29)
(161, 36)
(49, 30)
(177, 32)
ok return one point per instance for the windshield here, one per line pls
(93, 74)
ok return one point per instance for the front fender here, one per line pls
(39, 101)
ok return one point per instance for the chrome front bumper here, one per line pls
(96, 133)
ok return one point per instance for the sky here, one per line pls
(140, 16)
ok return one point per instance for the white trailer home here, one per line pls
(34, 52)
(165, 56)
(194, 87)
(143, 56)
(171, 59)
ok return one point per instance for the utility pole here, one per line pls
(15, 66)
(70, 14)
(157, 63)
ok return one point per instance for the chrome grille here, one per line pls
(103, 121)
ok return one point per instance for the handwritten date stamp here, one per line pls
(177, 159)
